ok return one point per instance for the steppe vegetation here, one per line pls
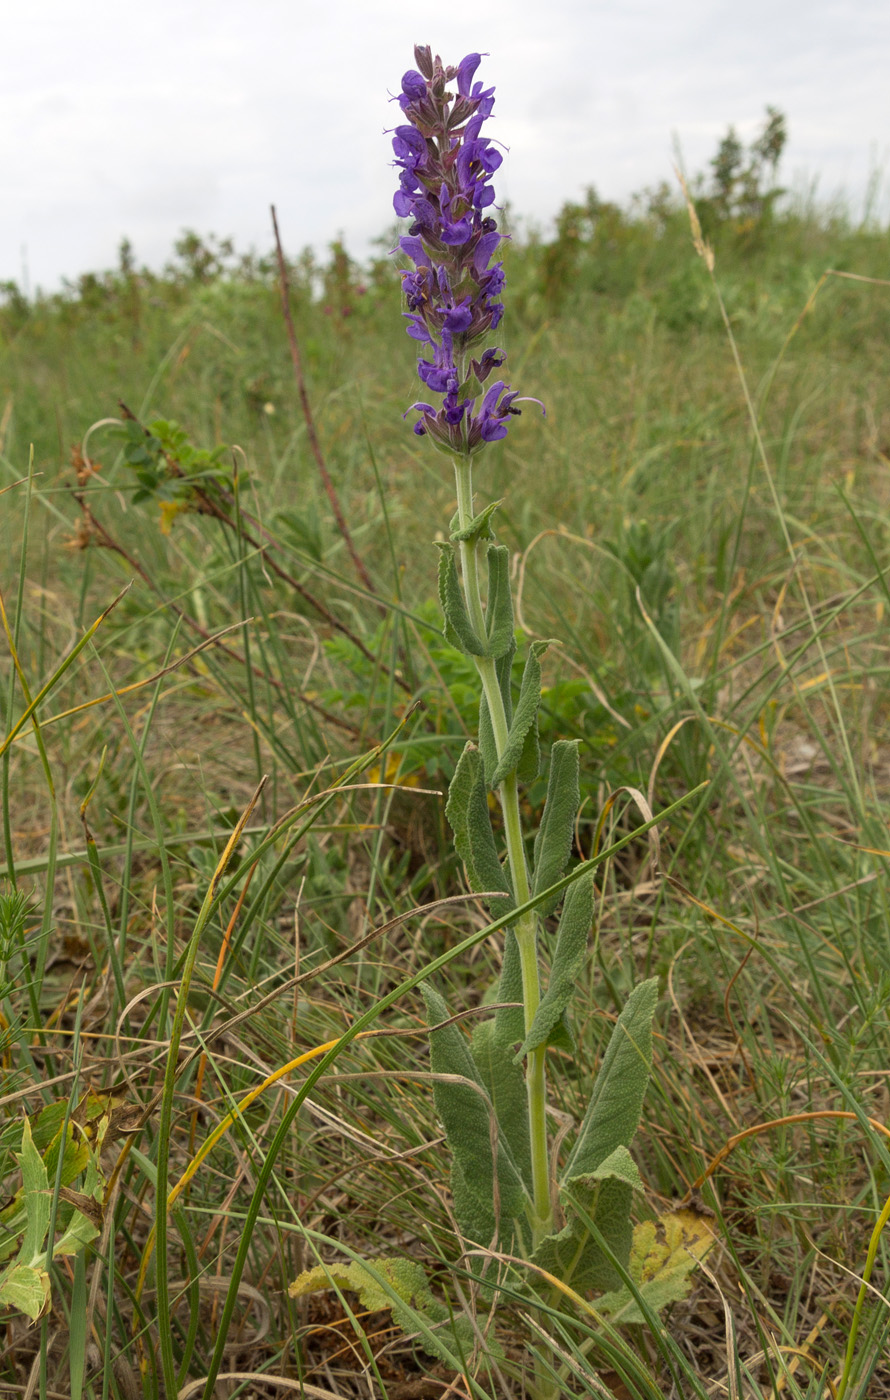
(218, 785)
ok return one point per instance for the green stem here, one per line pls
(526, 929)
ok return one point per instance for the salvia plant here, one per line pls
(491, 1088)
(502, 1182)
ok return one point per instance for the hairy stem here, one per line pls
(526, 927)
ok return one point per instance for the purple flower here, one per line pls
(453, 288)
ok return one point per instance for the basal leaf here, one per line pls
(474, 1215)
(568, 959)
(553, 842)
(616, 1102)
(505, 1082)
(26, 1289)
(86, 1218)
(401, 1286)
(406, 1279)
(471, 1127)
(598, 1228)
(663, 1254)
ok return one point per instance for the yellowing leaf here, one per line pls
(400, 1285)
(663, 1254)
(26, 1289)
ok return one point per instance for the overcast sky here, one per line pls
(144, 119)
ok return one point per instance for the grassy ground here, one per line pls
(714, 570)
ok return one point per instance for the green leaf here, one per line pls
(82, 1228)
(471, 1128)
(663, 1254)
(24, 1284)
(553, 842)
(502, 1076)
(598, 1180)
(474, 1216)
(510, 1021)
(597, 1208)
(499, 611)
(529, 765)
(458, 804)
(479, 528)
(470, 820)
(487, 871)
(37, 1198)
(618, 1166)
(525, 717)
(613, 1114)
(568, 959)
(458, 627)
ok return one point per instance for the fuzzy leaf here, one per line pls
(613, 1114)
(474, 1216)
(458, 627)
(472, 1130)
(469, 818)
(553, 842)
(499, 613)
(601, 1199)
(525, 716)
(503, 1078)
(529, 765)
(488, 872)
(568, 959)
(663, 1254)
(479, 528)
(510, 1022)
(457, 806)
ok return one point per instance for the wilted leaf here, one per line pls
(26, 1289)
(663, 1254)
(402, 1286)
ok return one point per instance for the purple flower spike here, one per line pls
(453, 288)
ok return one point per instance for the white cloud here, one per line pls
(141, 120)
